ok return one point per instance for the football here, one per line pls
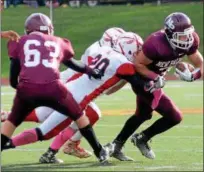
(183, 65)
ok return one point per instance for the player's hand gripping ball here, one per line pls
(184, 71)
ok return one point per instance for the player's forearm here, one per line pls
(76, 65)
(116, 87)
(14, 72)
(143, 70)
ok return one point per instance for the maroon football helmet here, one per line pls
(39, 22)
(179, 30)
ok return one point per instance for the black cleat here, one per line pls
(140, 141)
(118, 154)
(50, 158)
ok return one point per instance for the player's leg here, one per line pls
(72, 147)
(38, 115)
(72, 136)
(19, 111)
(52, 126)
(143, 113)
(70, 107)
(171, 116)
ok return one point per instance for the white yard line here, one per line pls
(126, 150)
(121, 125)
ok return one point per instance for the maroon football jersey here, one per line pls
(40, 56)
(158, 49)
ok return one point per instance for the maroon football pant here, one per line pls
(54, 95)
(165, 107)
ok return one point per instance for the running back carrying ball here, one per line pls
(182, 66)
(186, 72)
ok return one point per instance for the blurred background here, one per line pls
(84, 21)
(90, 3)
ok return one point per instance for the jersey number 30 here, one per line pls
(100, 63)
(33, 56)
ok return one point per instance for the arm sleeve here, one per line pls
(195, 45)
(135, 80)
(126, 69)
(14, 72)
(68, 50)
(76, 65)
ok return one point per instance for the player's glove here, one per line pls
(158, 83)
(186, 75)
(95, 73)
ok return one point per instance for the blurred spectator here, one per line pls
(14, 2)
(31, 3)
(55, 3)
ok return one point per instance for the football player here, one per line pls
(41, 113)
(34, 73)
(161, 50)
(11, 35)
(115, 64)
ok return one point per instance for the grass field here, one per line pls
(85, 25)
(179, 149)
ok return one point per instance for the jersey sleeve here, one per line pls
(67, 49)
(149, 49)
(126, 69)
(12, 47)
(195, 45)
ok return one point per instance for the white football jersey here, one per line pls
(85, 58)
(111, 63)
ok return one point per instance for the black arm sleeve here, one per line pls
(76, 65)
(135, 80)
(14, 72)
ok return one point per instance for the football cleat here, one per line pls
(73, 148)
(139, 140)
(8, 145)
(118, 154)
(50, 158)
(106, 152)
(4, 115)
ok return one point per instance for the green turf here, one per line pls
(85, 25)
(179, 149)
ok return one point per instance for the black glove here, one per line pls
(95, 73)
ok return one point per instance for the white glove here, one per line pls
(158, 83)
(186, 75)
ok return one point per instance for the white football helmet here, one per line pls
(128, 44)
(110, 35)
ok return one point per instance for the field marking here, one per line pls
(172, 137)
(126, 150)
(123, 112)
(121, 125)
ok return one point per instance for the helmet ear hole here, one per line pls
(129, 52)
